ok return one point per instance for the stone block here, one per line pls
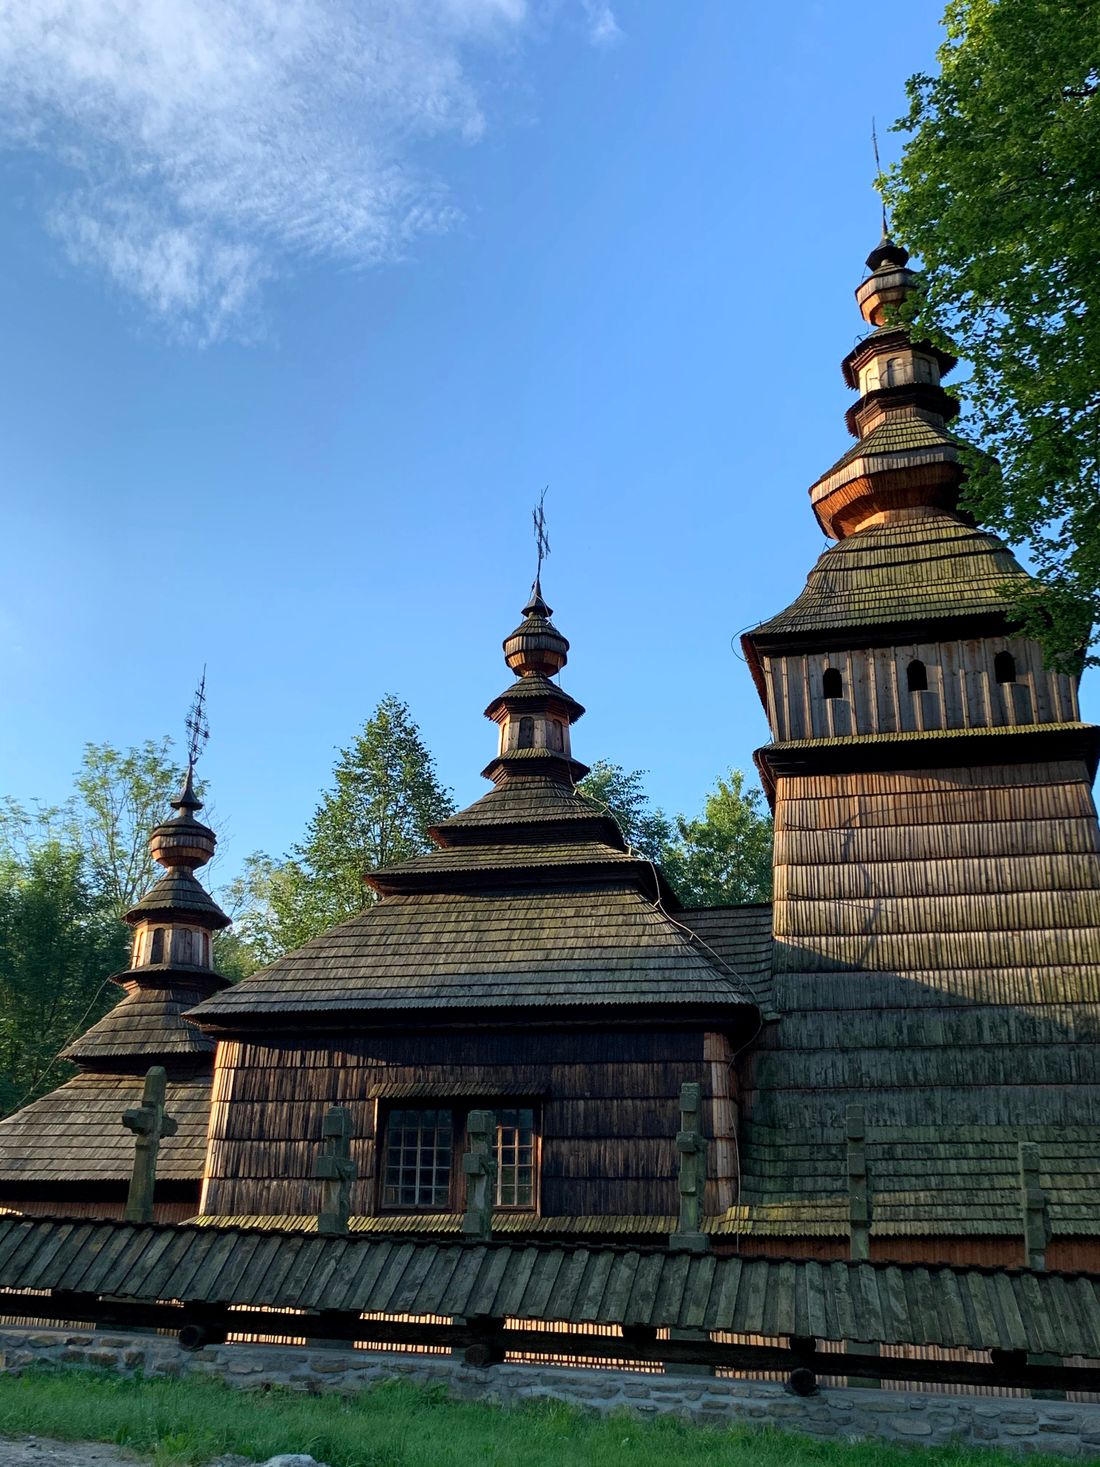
(907, 1426)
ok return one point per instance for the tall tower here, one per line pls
(937, 883)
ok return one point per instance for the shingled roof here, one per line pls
(922, 565)
(544, 941)
(531, 903)
(75, 1134)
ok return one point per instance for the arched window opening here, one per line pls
(554, 735)
(832, 685)
(1004, 667)
(526, 733)
(923, 369)
(916, 676)
(156, 952)
(206, 949)
(894, 374)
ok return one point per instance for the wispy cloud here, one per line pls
(209, 144)
(603, 28)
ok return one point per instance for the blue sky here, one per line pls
(301, 304)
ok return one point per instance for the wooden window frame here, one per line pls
(459, 1109)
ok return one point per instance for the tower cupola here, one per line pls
(905, 459)
(534, 715)
(174, 921)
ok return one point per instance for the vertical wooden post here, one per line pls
(480, 1169)
(336, 1172)
(1033, 1201)
(149, 1122)
(859, 1212)
(692, 1148)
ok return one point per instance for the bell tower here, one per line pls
(937, 878)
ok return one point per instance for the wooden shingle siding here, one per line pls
(937, 959)
(608, 1103)
(864, 1302)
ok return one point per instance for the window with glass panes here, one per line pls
(419, 1151)
(515, 1155)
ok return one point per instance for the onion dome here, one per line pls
(535, 715)
(905, 458)
(536, 646)
(178, 903)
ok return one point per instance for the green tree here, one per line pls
(385, 797)
(723, 856)
(118, 796)
(59, 941)
(621, 792)
(998, 190)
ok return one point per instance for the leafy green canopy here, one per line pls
(59, 941)
(998, 190)
(721, 857)
(385, 797)
(67, 874)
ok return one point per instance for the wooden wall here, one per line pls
(609, 1111)
(937, 960)
(962, 692)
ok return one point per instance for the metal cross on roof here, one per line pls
(878, 175)
(542, 540)
(198, 729)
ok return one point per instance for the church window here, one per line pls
(895, 372)
(156, 952)
(418, 1167)
(1004, 667)
(526, 733)
(515, 1151)
(832, 685)
(916, 676)
(419, 1151)
(554, 735)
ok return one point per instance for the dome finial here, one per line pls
(187, 799)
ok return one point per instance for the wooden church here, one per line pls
(930, 962)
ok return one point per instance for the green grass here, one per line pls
(192, 1421)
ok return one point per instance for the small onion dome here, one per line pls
(536, 645)
(183, 840)
(886, 252)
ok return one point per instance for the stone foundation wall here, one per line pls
(847, 1414)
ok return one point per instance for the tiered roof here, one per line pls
(75, 1133)
(530, 903)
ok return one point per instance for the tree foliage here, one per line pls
(719, 857)
(118, 796)
(998, 190)
(59, 941)
(386, 795)
(621, 793)
(67, 874)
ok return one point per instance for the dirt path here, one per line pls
(34, 1451)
